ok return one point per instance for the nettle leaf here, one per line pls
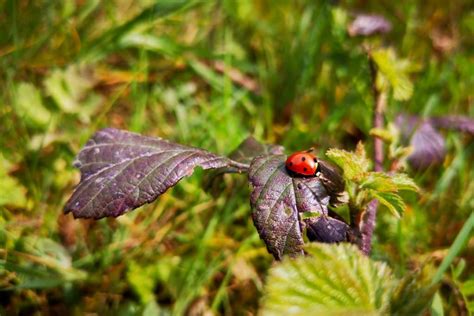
(392, 201)
(392, 70)
(384, 182)
(332, 280)
(404, 182)
(354, 165)
(121, 171)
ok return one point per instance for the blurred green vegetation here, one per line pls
(208, 74)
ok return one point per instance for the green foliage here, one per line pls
(71, 89)
(355, 165)
(11, 191)
(29, 105)
(366, 185)
(331, 280)
(456, 247)
(340, 280)
(413, 294)
(394, 71)
(84, 65)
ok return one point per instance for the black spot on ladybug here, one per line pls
(315, 160)
(305, 169)
(290, 164)
(303, 158)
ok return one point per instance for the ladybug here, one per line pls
(303, 163)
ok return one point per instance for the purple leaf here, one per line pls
(369, 24)
(244, 153)
(458, 123)
(277, 199)
(327, 229)
(251, 148)
(428, 147)
(121, 171)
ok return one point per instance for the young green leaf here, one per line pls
(404, 182)
(333, 279)
(392, 201)
(354, 165)
(384, 182)
(390, 68)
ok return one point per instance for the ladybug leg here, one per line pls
(318, 171)
(310, 150)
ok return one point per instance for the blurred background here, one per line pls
(209, 74)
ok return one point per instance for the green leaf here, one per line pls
(380, 182)
(11, 191)
(391, 69)
(71, 89)
(404, 182)
(354, 165)
(382, 133)
(392, 201)
(29, 105)
(141, 281)
(334, 279)
(151, 42)
(383, 182)
(437, 305)
(467, 288)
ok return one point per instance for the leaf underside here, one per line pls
(121, 171)
(277, 199)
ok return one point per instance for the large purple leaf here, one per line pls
(121, 171)
(278, 200)
(428, 147)
(428, 144)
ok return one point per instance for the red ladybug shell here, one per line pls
(302, 163)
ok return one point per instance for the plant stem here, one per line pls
(368, 218)
(380, 101)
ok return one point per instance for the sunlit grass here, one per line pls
(150, 68)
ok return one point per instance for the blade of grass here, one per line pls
(457, 246)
